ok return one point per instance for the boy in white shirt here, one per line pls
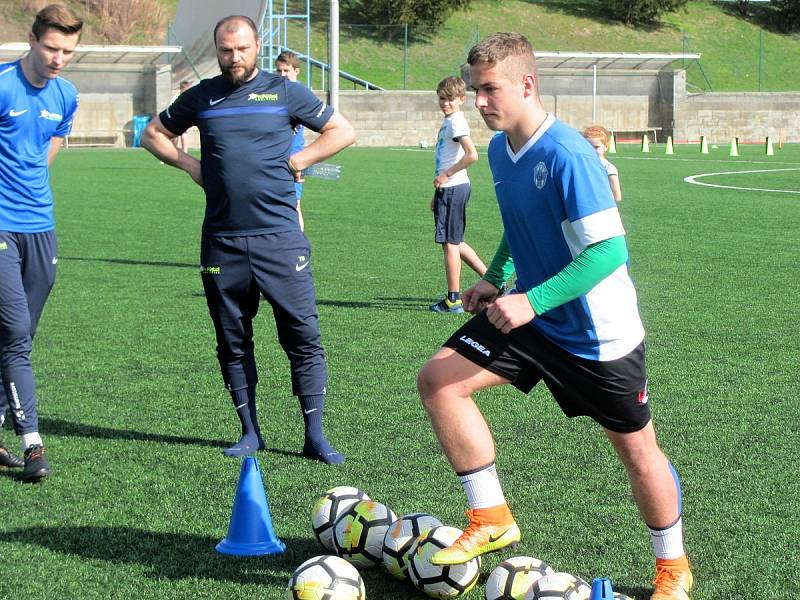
(455, 151)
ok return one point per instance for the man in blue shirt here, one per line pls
(36, 111)
(572, 320)
(251, 243)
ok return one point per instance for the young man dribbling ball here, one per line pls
(455, 151)
(572, 321)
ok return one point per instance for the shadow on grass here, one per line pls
(178, 556)
(166, 555)
(126, 261)
(593, 10)
(382, 303)
(64, 428)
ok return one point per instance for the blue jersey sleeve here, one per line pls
(71, 101)
(583, 184)
(589, 204)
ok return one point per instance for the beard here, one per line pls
(237, 79)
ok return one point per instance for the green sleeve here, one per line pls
(502, 266)
(585, 271)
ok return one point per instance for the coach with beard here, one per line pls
(251, 239)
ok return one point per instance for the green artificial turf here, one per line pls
(134, 415)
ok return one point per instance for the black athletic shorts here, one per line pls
(450, 213)
(613, 393)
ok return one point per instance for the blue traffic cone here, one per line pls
(601, 589)
(250, 531)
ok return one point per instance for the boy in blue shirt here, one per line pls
(36, 111)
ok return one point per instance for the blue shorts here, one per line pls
(613, 393)
(450, 213)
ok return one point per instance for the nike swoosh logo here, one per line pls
(217, 101)
(301, 267)
(497, 183)
(493, 539)
(309, 411)
(16, 113)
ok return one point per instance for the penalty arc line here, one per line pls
(693, 179)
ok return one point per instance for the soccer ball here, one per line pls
(621, 596)
(329, 507)
(440, 581)
(325, 578)
(359, 532)
(560, 586)
(399, 539)
(513, 579)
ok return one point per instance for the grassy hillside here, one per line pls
(737, 54)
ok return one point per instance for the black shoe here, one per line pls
(36, 465)
(7, 459)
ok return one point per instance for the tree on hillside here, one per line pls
(641, 12)
(789, 14)
(427, 15)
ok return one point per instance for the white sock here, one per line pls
(668, 542)
(482, 487)
(31, 439)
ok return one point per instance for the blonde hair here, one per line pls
(451, 87)
(502, 46)
(597, 132)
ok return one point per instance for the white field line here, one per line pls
(693, 179)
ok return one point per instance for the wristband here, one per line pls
(292, 168)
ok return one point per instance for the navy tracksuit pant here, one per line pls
(27, 274)
(236, 271)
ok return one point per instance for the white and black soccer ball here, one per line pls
(560, 586)
(621, 596)
(400, 537)
(513, 579)
(359, 532)
(329, 507)
(440, 581)
(325, 578)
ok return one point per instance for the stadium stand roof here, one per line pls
(625, 61)
(106, 55)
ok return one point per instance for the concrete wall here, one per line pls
(625, 102)
(750, 116)
(111, 95)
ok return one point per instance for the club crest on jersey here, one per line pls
(540, 175)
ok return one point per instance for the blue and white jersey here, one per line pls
(246, 136)
(29, 118)
(555, 201)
